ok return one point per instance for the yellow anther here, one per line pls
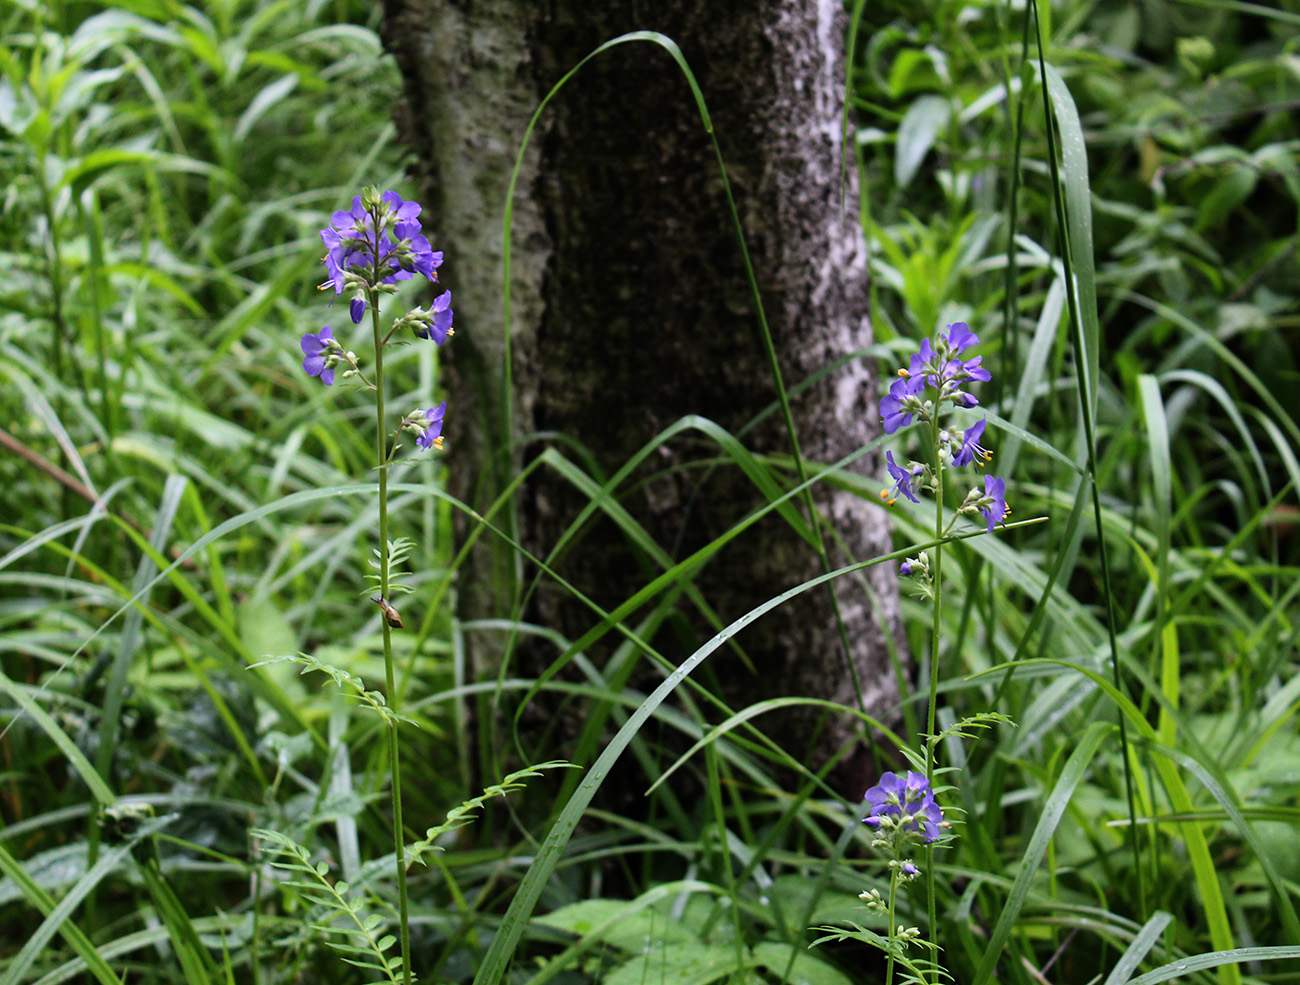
(437, 442)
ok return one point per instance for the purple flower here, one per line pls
(909, 869)
(909, 797)
(432, 437)
(995, 511)
(403, 212)
(943, 371)
(905, 568)
(357, 308)
(418, 256)
(897, 407)
(423, 260)
(960, 338)
(971, 450)
(340, 238)
(971, 369)
(314, 349)
(957, 372)
(921, 362)
(902, 480)
(440, 327)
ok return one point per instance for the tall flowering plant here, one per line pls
(938, 381)
(370, 247)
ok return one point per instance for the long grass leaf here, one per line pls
(506, 442)
(1074, 222)
(503, 945)
(16, 969)
(1203, 867)
(1139, 948)
(1216, 959)
(93, 961)
(76, 758)
(1053, 810)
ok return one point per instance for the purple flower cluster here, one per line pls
(940, 374)
(903, 401)
(906, 804)
(380, 246)
(940, 369)
(377, 242)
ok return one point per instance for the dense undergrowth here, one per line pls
(180, 501)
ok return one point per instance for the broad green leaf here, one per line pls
(921, 125)
(795, 966)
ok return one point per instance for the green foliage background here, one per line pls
(167, 168)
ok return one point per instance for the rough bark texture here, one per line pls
(631, 308)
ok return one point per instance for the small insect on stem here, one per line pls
(390, 614)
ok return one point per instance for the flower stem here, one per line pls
(893, 923)
(381, 457)
(934, 671)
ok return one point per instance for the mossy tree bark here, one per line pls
(631, 309)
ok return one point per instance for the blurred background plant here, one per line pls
(166, 170)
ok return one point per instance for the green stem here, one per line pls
(255, 961)
(934, 668)
(893, 924)
(381, 456)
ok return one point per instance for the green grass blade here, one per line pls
(16, 969)
(1053, 810)
(502, 949)
(1074, 221)
(1211, 776)
(760, 708)
(1230, 957)
(1138, 949)
(76, 758)
(1207, 879)
(129, 642)
(1164, 635)
(1080, 266)
(41, 900)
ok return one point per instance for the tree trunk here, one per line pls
(631, 309)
